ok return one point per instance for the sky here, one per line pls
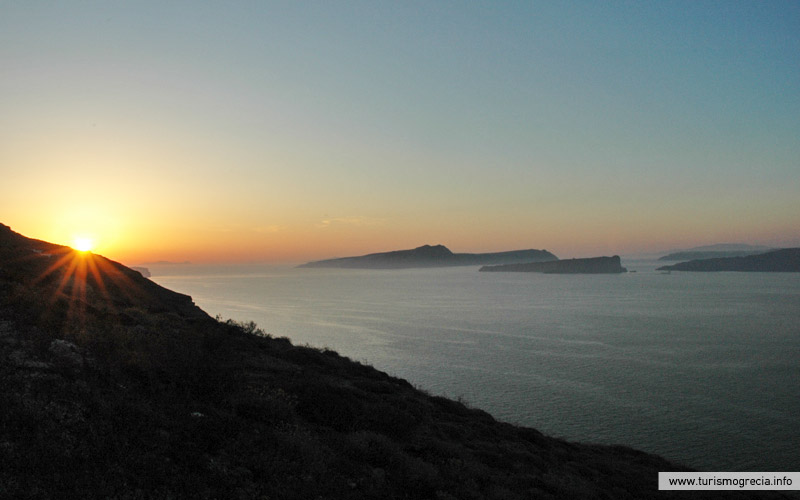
(288, 131)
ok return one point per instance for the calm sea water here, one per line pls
(701, 368)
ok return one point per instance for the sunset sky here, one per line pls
(289, 131)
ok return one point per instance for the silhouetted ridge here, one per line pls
(777, 261)
(423, 252)
(39, 263)
(431, 256)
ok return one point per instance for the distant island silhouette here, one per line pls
(432, 256)
(776, 261)
(699, 255)
(593, 265)
(715, 251)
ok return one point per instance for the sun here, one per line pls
(82, 244)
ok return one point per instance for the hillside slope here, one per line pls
(114, 387)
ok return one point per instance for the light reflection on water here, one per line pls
(701, 368)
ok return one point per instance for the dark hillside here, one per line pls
(114, 387)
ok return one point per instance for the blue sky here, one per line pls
(280, 130)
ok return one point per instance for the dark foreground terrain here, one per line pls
(114, 387)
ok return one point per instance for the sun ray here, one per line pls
(78, 274)
(98, 279)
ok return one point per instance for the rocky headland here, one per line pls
(116, 388)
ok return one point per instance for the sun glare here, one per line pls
(82, 244)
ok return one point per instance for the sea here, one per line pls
(700, 368)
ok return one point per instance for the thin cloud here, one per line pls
(358, 221)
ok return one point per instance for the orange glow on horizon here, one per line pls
(143, 237)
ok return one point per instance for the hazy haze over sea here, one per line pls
(701, 368)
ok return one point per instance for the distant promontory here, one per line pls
(715, 251)
(432, 256)
(594, 265)
(776, 261)
(699, 255)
